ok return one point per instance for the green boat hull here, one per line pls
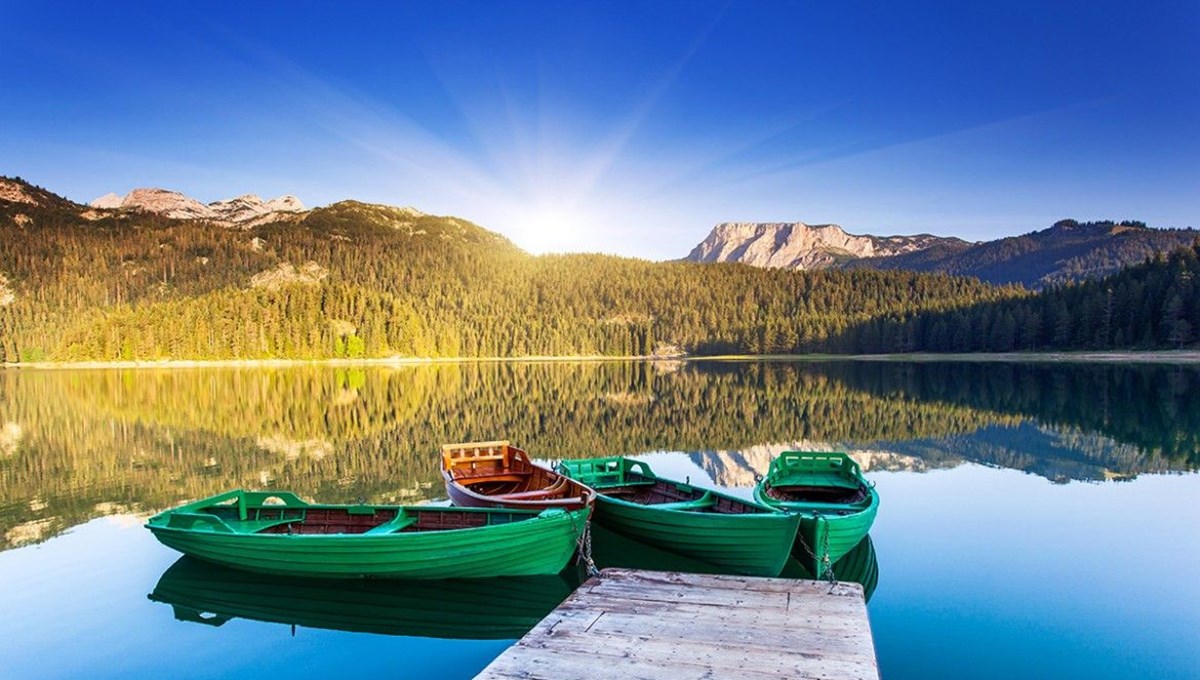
(753, 540)
(828, 530)
(506, 542)
(756, 545)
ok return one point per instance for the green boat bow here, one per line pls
(835, 503)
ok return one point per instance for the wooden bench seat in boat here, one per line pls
(399, 523)
(705, 501)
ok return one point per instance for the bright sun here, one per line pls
(545, 228)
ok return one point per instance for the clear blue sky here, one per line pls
(627, 128)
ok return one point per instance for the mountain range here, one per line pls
(1067, 251)
(241, 210)
(162, 276)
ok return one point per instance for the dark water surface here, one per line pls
(1037, 520)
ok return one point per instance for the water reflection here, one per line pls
(610, 549)
(75, 445)
(470, 609)
(460, 609)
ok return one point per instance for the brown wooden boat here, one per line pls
(499, 475)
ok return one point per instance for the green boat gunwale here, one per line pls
(831, 465)
(600, 469)
(248, 501)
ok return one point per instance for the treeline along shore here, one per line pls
(75, 445)
(355, 281)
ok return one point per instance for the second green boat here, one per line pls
(721, 529)
(836, 505)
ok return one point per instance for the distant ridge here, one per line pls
(176, 205)
(1067, 251)
(796, 245)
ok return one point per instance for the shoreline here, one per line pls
(1150, 356)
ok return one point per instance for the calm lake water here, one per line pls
(1037, 520)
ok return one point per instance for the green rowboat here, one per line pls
(275, 532)
(735, 534)
(835, 503)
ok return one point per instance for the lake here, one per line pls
(1038, 520)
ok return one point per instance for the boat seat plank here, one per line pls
(400, 523)
(705, 501)
(492, 477)
(529, 495)
(255, 526)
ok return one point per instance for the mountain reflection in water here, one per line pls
(75, 445)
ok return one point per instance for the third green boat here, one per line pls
(836, 505)
(732, 533)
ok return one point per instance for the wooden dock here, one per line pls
(647, 624)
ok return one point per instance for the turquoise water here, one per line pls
(1037, 520)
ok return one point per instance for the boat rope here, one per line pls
(826, 563)
(823, 564)
(584, 546)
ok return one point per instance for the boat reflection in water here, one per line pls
(859, 565)
(470, 609)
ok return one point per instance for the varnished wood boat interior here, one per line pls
(504, 473)
(666, 495)
(839, 495)
(364, 520)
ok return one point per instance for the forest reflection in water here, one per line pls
(79, 444)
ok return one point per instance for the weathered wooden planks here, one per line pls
(644, 624)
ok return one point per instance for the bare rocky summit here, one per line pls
(175, 205)
(796, 245)
(287, 274)
(15, 192)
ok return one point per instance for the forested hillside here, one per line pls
(1068, 251)
(1154, 305)
(356, 280)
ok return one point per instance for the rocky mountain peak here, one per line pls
(175, 205)
(797, 245)
(285, 203)
(15, 192)
(166, 203)
(109, 201)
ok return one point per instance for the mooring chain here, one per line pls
(826, 563)
(584, 545)
(823, 564)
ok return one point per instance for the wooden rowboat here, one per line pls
(499, 475)
(275, 532)
(738, 535)
(835, 503)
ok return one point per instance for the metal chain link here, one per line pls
(823, 564)
(584, 545)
